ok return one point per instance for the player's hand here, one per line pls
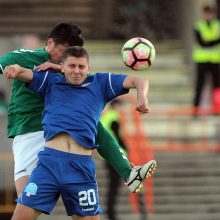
(142, 106)
(48, 65)
(10, 72)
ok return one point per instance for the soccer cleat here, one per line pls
(139, 174)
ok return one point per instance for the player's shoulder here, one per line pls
(24, 57)
(27, 52)
(56, 76)
(23, 51)
(109, 76)
(49, 75)
(101, 75)
(96, 78)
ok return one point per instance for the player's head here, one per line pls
(61, 37)
(75, 65)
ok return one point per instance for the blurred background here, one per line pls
(184, 142)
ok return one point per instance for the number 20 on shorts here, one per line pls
(87, 198)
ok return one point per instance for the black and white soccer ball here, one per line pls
(138, 53)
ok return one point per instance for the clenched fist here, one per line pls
(10, 72)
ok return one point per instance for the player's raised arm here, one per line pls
(18, 72)
(141, 86)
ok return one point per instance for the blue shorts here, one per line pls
(59, 173)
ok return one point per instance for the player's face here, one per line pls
(75, 69)
(55, 51)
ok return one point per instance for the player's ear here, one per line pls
(89, 68)
(50, 42)
(62, 68)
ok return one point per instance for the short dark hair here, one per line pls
(63, 33)
(75, 51)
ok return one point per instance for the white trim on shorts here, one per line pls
(25, 148)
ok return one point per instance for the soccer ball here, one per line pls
(138, 53)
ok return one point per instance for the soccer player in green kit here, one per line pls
(25, 113)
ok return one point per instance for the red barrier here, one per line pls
(140, 149)
(139, 153)
(216, 99)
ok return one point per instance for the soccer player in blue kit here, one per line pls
(73, 105)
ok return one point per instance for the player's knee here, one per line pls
(24, 213)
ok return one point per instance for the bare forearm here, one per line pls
(142, 87)
(25, 75)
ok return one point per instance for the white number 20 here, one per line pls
(87, 197)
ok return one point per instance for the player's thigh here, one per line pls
(25, 149)
(79, 189)
(20, 184)
(42, 189)
(75, 217)
(24, 213)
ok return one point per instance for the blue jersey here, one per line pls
(75, 110)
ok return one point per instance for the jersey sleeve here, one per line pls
(41, 82)
(112, 85)
(6, 60)
(23, 57)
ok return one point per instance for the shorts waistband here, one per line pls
(59, 153)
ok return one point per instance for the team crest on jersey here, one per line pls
(31, 189)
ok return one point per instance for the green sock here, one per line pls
(110, 150)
